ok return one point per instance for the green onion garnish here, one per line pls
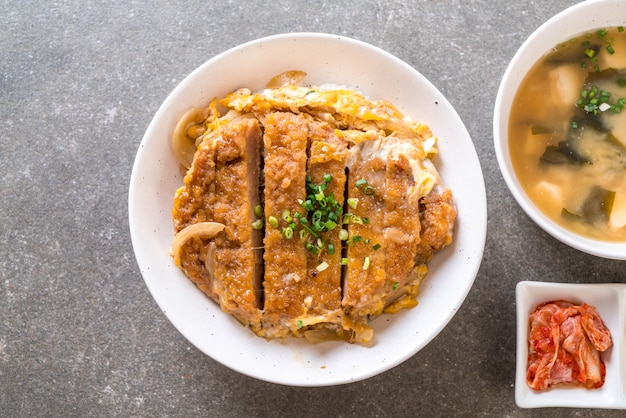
(356, 220)
(322, 266)
(366, 263)
(286, 215)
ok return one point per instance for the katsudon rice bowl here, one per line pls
(367, 343)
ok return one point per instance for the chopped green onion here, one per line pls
(343, 234)
(590, 52)
(344, 261)
(258, 224)
(258, 211)
(330, 225)
(322, 266)
(356, 220)
(376, 247)
(395, 286)
(366, 263)
(331, 248)
(311, 248)
(360, 182)
(366, 221)
(286, 215)
(369, 190)
(317, 216)
(299, 323)
(273, 221)
(307, 205)
(327, 178)
(353, 202)
(288, 233)
(610, 49)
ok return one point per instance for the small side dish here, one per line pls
(566, 321)
(565, 343)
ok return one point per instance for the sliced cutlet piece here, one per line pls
(438, 215)
(285, 141)
(401, 225)
(365, 279)
(327, 157)
(237, 258)
(193, 203)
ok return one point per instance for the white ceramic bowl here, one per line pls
(610, 300)
(583, 17)
(326, 59)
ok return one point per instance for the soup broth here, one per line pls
(567, 134)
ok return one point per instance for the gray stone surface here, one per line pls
(80, 334)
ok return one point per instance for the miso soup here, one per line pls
(567, 134)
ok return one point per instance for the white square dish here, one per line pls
(610, 300)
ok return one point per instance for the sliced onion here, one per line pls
(204, 230)
(183, 146)
(288, 78)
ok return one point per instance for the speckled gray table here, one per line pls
(79, 333)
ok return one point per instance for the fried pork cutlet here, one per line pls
(222, 186)
(284, 283)
(303, 216)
